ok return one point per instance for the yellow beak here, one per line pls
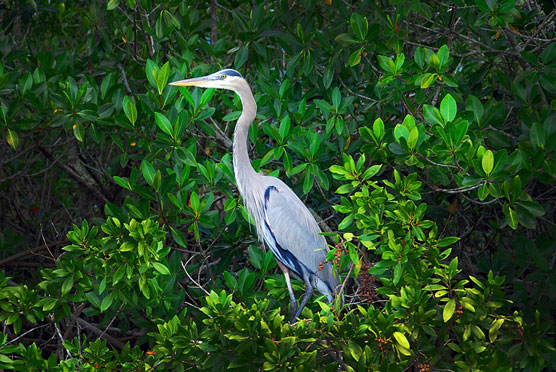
(197, 82)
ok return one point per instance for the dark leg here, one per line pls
(308, 294)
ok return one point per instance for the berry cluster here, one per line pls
(424, 367)
(459, 310)
(382, 344)
(367, 282)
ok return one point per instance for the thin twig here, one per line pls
(184, 266)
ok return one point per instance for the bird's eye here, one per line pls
(223, 76)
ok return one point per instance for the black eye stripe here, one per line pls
(230, 72)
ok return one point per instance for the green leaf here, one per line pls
(346, 222)
(383, 62)
(548, 53)
(488, 162)
(130, 110)
(399, 62)
(398, 271)
(447, 241)
(12, 138)
(533, 207)
(206, 96)
(102, 286)
(256, 257)
(359, 26)
(179, 237)
(378, 128)
(112, 4)
(162, 77)
(443, 55)
(307, 182)
(345, 188)
(148, 171)
(78, 131)
(537, 135)
(161, 268)
(284, 129)
(28, 84)
(448, 108)
(475, 105)
(123, 182)
(49, 304)
(432, 115)
(449, 309)
(336, 98)
(163, 123)
(413, 137)
(419, 57)
(400, 131)
(355, 57)
(434, 61)
(512, 218)
(401, 339)
(494, 328)
(353, 350)
(284, 87)
(428, 79)
(327, 78)
(194, 201)
(241, 56)
(106, 302)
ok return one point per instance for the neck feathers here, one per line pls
(243, 170)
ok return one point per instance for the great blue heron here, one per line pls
(281, 218)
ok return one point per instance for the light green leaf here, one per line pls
(378, 128)
(161, 268)
(428, 80)
(494, 328)
(123, 182)
(413, 137)
(488, 162)
(12, 138)
(112, 4)
(346, 222)
(448, 108)
(449, 309)
(401, 339)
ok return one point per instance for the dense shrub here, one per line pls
(421, 133)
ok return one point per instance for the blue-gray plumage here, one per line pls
(281, 218)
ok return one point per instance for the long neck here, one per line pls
(242, 164)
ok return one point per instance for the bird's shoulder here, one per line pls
(285, 211)
(279, 191)
(291, 225)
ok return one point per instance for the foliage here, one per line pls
(423, 134)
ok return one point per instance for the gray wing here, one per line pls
(292, 233)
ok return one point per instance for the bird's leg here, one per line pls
(306, 297)
(293, 301)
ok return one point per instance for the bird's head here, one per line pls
(223, 79)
